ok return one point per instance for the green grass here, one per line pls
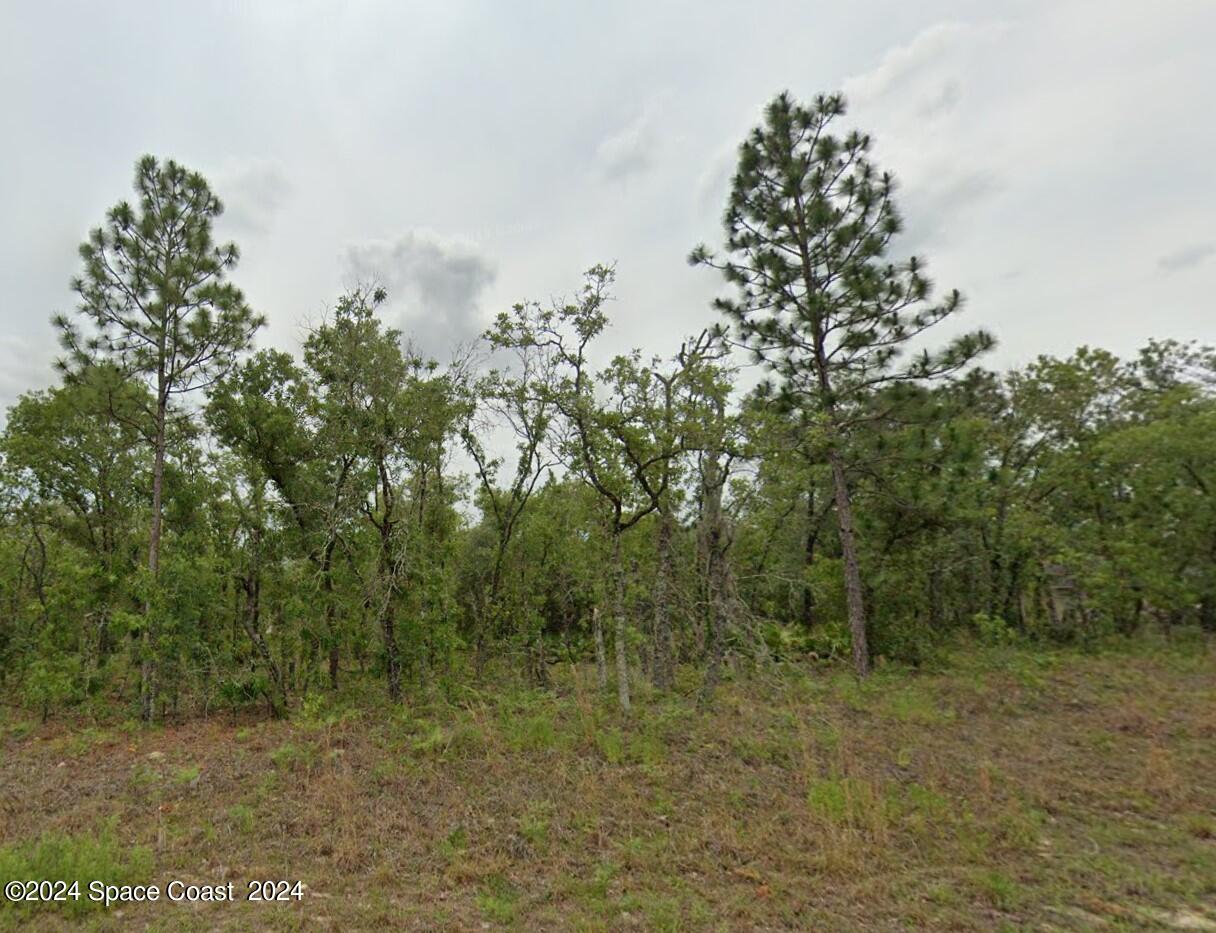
(74, 859)
(1001, 789)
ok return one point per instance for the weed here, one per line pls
(292, 757)
(534, 827)
(536, 733)
(241, 816)
(611, 745)
(854, 804)
(454, 844)
(998, 889)
(916, 706)
(498, 900)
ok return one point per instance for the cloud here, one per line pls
(252, 194)
(433, 282)
(629, 152)
(930, 209)
(914, 68)
(1186, 257)
(714, 183)
(945, 100)
(25, 365)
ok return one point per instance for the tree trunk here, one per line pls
(996, 561)
(327, 586)
(712, 535)
(618, 609)
(392, 655)
(601, 655)
(663, 674)
(388, 621)
(852, 569)
(253, 586)
(937, 618)
(717, 642)
(808, 559)
(1207, 603)
(147, 665)
(387, 582)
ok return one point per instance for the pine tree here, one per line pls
(156, 304)
(808, 224)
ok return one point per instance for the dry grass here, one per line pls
(1013, 790)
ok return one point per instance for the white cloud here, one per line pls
(25, 365)
(1064, 144)
(1186, 257)
(434, 285)
(630, 151)
(914, 68)
(930, 208)
(252, 193)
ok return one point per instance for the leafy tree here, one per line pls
(517, 398)
(396, 414)
(74, 450)
(268, 412)
(608, 446)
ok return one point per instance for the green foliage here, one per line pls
(320, 542)
(498, 900)
(992, 630)
(241, 816)
(78, 859)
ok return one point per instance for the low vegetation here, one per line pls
(999, 789)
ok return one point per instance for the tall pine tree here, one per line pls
(807, 230)
(155, 302)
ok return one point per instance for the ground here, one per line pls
(1059, 790)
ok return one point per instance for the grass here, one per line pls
(1007, 790)
(76, 860)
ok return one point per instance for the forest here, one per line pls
(813, 619)
(190, 525)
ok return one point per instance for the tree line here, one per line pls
(190, 524)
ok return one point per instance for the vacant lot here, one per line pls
(1063, 791)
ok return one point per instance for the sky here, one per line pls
(1056, 159)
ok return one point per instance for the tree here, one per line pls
(808, 225)
(396, 413)
(73, 450)
(608, 446)
(156, 303)
(516, 398)
(267, 411)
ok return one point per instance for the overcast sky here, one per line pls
(1057, 159)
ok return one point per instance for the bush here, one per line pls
(993, 630)
(52, 682)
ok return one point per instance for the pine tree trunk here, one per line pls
(618, 609)
(808, 560)
(852, 569)
(933, 588)
(147, 666)
(387, 581)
